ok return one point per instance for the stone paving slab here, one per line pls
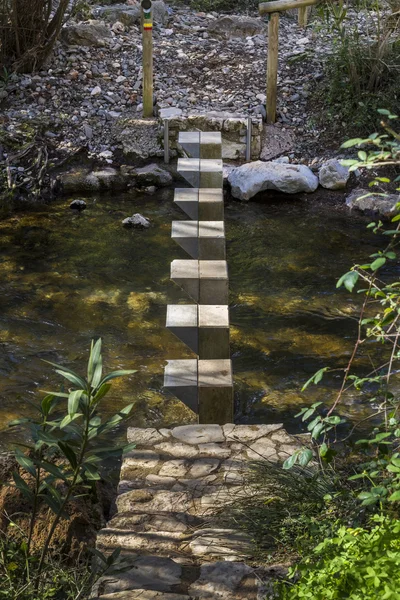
(173, 486)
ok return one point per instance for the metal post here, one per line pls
(147, 18)
(166, 141)
(248, 139)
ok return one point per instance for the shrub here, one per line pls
(356, 564)
(363, 69)
(29, 30)
(62, 466)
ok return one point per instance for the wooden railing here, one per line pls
(273, 9)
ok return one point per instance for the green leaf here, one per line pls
(46, 404)
(116, 374)
(23, 487)
(383, 111)
(102, 391)
(73, 401)
(305, 457)
(95, 351)
(323, 450)
(98, 370)
(91, 472)
(349, 280)
(70, 375)
(378, 263)
(316, 378)
(69, 419)
(362, 155)
(53, 470)
(291, 461)
(317, 430)
(352, 142)
(395, 497)
(16, 422)
(25, 462)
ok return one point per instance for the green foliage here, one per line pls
(362, 72)
(69, 444)
(356, 564)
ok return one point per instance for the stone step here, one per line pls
(206, 204)
(202, 172)
(205, 281)
(203, 328)
(201, 144)
(205, 386)
(201, 239)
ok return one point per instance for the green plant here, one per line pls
(362, 70)
(355, 564)
(62, 464)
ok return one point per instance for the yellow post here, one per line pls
(303, 16)
(147, 19)
(272, 66)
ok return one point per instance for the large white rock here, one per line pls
(250, 179)
(333, 175)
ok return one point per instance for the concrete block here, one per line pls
(189, 168)
(211, 145)
(215, 393)
(182, 321)
(211, 173)
(213, 337)
(190, 142)
(186, 274)
(214, 285)
(201, 239)
(206, 204)
(204, 329)
(181, 379)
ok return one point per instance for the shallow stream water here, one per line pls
(66, 278)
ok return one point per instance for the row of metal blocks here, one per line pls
(204, 384)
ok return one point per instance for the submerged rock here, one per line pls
(84, 180)
(369, 202)
(333, 175)
(250, 179)
(78, 205)
(137, 221)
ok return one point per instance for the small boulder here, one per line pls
(250, 179)
(137, 221)
(131, 15)
(236, 27)
(333, 175)
(368, 202)
(153, 175)
(78, 205)
(93, 33)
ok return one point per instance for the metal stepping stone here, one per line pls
(198, 144)
(205, 386)
(201, 239)
(203, 328)
(206, 204)
(202, 173)
(205, 281)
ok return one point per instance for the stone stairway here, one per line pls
(168, 523)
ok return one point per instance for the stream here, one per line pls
(69, 277)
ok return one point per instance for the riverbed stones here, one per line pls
(367, 202)
(78, 205)
(139, 138)
(173, 518)
(333, 175)
(130, 14)
(248, 180)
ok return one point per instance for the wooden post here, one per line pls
(272, 66)
(147, 18)
(303, 16)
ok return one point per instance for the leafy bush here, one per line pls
(356, 564)
(29, 30)
(363, 70)
(62, 466)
